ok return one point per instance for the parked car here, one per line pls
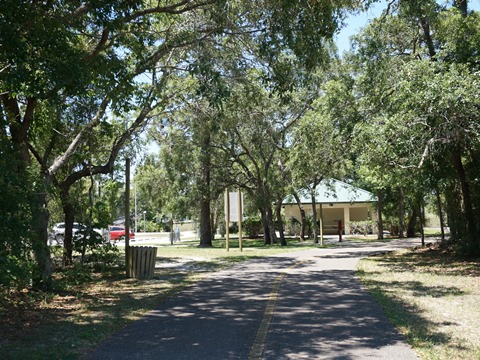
(58, 231)
(117, 233)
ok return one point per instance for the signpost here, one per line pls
(234, 213)
(240, 216)
(227, 220)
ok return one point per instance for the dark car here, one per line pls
(117, 233)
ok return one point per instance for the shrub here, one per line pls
(233, 228)
(252, 227)
(104, 258)
(74, 276)
(361, 227)
(100, 254)
(293, 227)
(15, 272)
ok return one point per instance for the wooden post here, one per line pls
(127, 215)
(227, 220)
(340, 229)
(240, 220)
(321, 224)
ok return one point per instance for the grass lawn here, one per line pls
(432, 298)
(87, 308)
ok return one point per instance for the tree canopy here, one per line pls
(238, 93)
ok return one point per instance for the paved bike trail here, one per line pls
(302, 305)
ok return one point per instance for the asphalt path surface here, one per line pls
(301, 305)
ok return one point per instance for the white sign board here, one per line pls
(233, 200)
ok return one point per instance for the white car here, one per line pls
(58, 231)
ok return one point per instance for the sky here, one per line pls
(355, 22)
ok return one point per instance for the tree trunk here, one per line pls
(303, 218)
(91, 192)
(401, 215)
(69, 213)
(19, 126)
(467, 206)
(454, 211)
(213, 222)
(267, 239)
(461, 5)
(428, 37)
(379, 214)
(315, 224)
(271, 225)
(205, 226)
(205, 198)
(440, 212)
(412, 223)
(278, 210)
(422, 221)
(42, 274)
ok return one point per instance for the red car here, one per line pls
(117, 233)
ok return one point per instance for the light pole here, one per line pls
(144, 222)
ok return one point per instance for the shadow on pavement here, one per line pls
(328, 315)
(322, 312)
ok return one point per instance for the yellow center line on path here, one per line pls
(258, 347)
(256, 351)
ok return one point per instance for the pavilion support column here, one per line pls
(346, 220)
(373, 216)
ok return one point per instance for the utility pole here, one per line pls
(127, 215)
(135, 195)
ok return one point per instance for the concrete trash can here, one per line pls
(142, 261)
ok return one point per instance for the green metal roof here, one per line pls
(333, 191)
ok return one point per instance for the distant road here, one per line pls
(158, 237)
